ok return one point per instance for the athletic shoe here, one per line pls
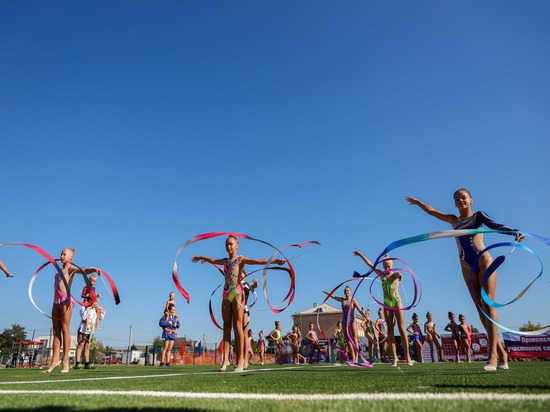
(394, 363)
(489, 367)
(88, 366)
(239, 369)
(77, 366)
(410, 363)
(65, 370)
(161, 365)
(502, 365)
(168, 364)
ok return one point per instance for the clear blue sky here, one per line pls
(128, 127)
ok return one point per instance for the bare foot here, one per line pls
(9, 275)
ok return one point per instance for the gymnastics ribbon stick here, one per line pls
(111, 283)
(205, 236)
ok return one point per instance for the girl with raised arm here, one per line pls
(232, 309)
(390, 285)
(469, 248)
(346, 303)
(62, 310)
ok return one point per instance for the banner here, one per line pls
(520, 346)
(478, 348)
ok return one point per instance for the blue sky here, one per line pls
(128, 127)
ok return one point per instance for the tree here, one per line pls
(157, 341)
(474, 330)
(15, 334)
(97, 351)
(529, 327)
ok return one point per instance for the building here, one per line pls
(48, 345)
(326, 315)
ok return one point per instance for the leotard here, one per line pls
(60, 297)
(417, 332)
(389, 286)
(345, 309)
(467, 246)
(231, 288)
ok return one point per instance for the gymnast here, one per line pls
(62, 310)
(346, 303)
(469, 248)
(390, 285)
(232, 309)
(431, 338)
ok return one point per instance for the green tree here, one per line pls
(157, 341)
(474, 330)
(97, 351)
(14, 334)
(529, 327)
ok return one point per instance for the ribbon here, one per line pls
(216, 234)
(52, 261)
(497, 262)
(289, 296)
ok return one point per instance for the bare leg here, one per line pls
(66, 325)
(402, 332)
(388, 315)
(238, 328)
(355, 337)
(227, 312)
(431, 343)
(56, 323)
(348, 343)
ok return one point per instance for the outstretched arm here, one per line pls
(333, 297)
(87, 271)
(247, 261)
(491, 224)
(367, 261)
(198, 258)
(446, 217)
(5, 270)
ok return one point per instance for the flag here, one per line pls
(199, 348)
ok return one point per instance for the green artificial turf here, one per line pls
(522, 378)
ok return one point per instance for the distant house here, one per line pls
(326, 315)
(48, 345)
(134, 355)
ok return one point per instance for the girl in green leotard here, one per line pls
(390, 284)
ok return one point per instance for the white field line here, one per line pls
(298, 397)
(164, 375)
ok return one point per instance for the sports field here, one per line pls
(441, 387)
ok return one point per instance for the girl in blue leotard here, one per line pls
(469, 248)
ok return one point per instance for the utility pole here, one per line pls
(129, 346)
